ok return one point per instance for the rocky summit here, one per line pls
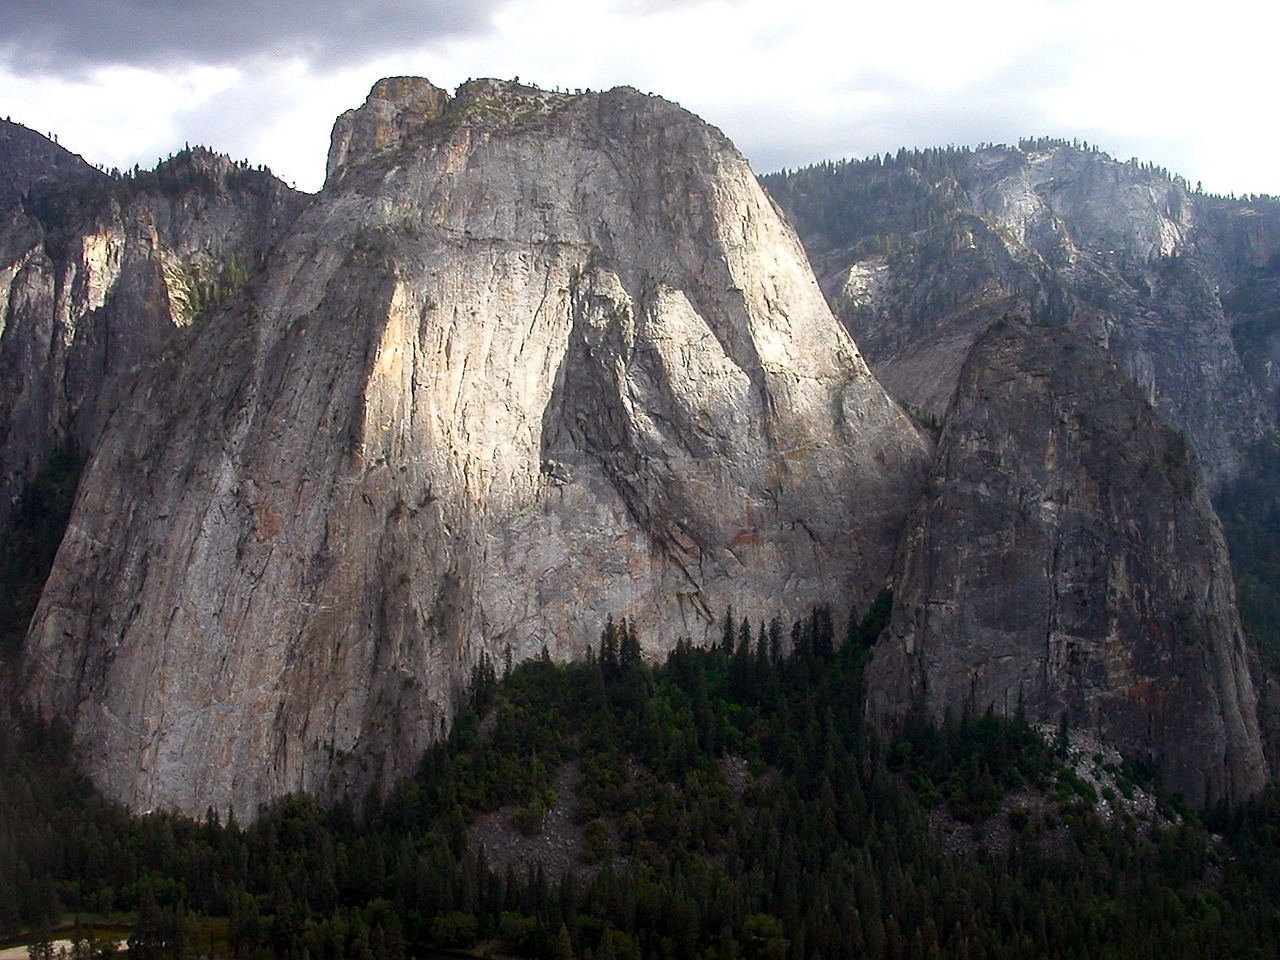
(527, 360)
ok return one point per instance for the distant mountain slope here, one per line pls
(919, 251)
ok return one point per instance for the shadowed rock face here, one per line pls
(98, 276)
(529, 359)
(27, 158)
(1066, 560)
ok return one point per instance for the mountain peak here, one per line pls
(400, 109)
(395, 108)
(557, 358)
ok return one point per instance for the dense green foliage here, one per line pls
(28, 544)
(819, 846)
(207, 294)
(871, 206)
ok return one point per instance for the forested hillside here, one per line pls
(728, 803)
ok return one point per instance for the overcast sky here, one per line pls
(792, 82)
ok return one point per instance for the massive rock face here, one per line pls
(97, 276)
(1066, 561)
(532, 359)
(919, 252)
(527, 360)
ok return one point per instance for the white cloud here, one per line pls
(113, 116)
(791, 83)
(54, 36)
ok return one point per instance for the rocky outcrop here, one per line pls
(919, 252)
(27, 159)
(1066, 561)
(97, 276)
(396, 110)
(529, 359)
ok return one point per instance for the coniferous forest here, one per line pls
(729, 802)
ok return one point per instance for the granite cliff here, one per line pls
(921, 251)
(530, 359)
(1066, 562)
(527, 360)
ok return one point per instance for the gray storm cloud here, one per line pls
(59, 36)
